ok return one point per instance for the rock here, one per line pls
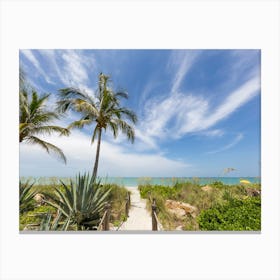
(207, 188)
(112, 227)
(253, 192)
(180, 209)
(39, 198)
(179, 228)
(178, 212)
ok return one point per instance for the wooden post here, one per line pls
(127, 204)
(107, 217)
(154, 221)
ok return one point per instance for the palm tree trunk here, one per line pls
(94, 173)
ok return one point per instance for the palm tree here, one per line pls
(104, 110)
(34, 120)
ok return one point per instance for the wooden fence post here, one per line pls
(127, 204)
(107, 217)
(129, 201)
(154, 221)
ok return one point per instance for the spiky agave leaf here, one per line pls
(26, 195)
(82, 202)
(56, 224)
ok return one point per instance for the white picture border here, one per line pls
(140, 24)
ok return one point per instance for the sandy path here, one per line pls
(139, 218)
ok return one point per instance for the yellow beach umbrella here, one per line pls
(245, 182)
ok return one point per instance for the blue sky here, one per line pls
(198, 111)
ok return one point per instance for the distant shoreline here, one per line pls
(135, 181)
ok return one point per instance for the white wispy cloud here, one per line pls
(115, 160)
(180, 114)
(144, 141)
(72, 67)
(31, 57)
(180, 63)
(236, 140)
(213, 133)
(235, 100)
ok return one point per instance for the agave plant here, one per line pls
(82, 203)
(48, 224)
(26, 195)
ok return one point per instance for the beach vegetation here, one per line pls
(26, 195)
(235, 214)
(213, 204)
(44, 216)
(82, 202)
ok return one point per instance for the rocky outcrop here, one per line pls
(207, 188)
(179, 227)
(180, 209)
(39, 198)
(253, 192)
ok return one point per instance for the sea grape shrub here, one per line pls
(235, 215)
(34, 216)
(217, 184)
(165, 192)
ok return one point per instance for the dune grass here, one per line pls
(220, 197)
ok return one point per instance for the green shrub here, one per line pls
(147, 191)
(217, 184)
(235, 214)
(35, 216)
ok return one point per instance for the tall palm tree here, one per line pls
(34, 120)
(104, 110)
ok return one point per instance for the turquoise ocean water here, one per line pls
(135, 181)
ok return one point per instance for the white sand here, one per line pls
(139, 218)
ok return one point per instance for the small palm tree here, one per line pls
(104, 110)
(81, 203)
(34, 119)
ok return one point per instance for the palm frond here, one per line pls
(126, 129)
(42, 117)
(114, 127)
(74, 93)
(24, 126)
(121, 94)
(49, 129)
(37, 102)
(85, 107)
(80, 123)
(24, 113)
(47, 146)
(128, 113)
